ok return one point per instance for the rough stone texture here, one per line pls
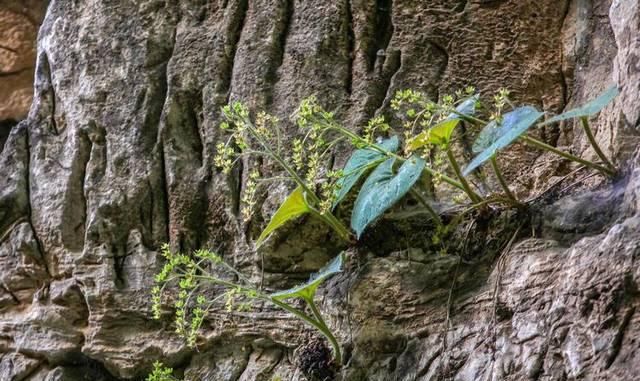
(115, 158)
(19, 22)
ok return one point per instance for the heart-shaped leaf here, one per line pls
(383, 189)
(308, 290)
(440, 134)
(293, 206)
(498, 136)
(494, 131)
(359, 163)
(591, 108)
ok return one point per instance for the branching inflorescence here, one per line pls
(384, 166)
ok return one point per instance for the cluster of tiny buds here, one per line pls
(248, 199)
(500, 100)
(376, 124)
(329, 189)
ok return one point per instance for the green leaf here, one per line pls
(359, 163)
(495, 137)
(489, 134)
(308, 290)
(588, 109)
(467, 107)
(440, 134)
(383, 189)
(294, 206)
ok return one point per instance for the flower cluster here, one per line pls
(376, 124)
(303, 162)
(500, 100)
(248, 199)
(329, 189)
(191, 273)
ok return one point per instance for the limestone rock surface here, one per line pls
(115, 158)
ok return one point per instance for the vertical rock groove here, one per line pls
(41, 248)
(351, 43)
(383, 30)
(153, 75)
(235, 25)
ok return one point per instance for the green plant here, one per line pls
(390, 172)
(195, 273)
(440, 135)
(161, 373)
(303, 164)
(499, 135)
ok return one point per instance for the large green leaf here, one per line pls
(591, 108)
(359, 163)
(383, 189)
(440, 134)
(514, 124)
(308, 290)
(294, 206)
(494, 131)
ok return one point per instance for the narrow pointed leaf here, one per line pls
(382, 190)
(498, 136)
(591, 108)
(308, 290)
(359, 163)
(293, 206)
(440, 134)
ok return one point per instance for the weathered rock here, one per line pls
(19, 22)
(116, 158)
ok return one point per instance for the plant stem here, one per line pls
(594, 144)
(501, 180)
(320, 326)
(328, 218)
(429, 208)
(444, 178)
(334, 224)
(537, 143)
(383, 151)
(465, 185)
(329, 334)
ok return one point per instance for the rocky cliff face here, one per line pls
(115, 158)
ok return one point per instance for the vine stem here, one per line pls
(537, 143)
(329, 335)
(334, 223)
(501, 180)
(594, 144)
(318, 324)
(465, 185)
(328, 218)
(429, 208)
